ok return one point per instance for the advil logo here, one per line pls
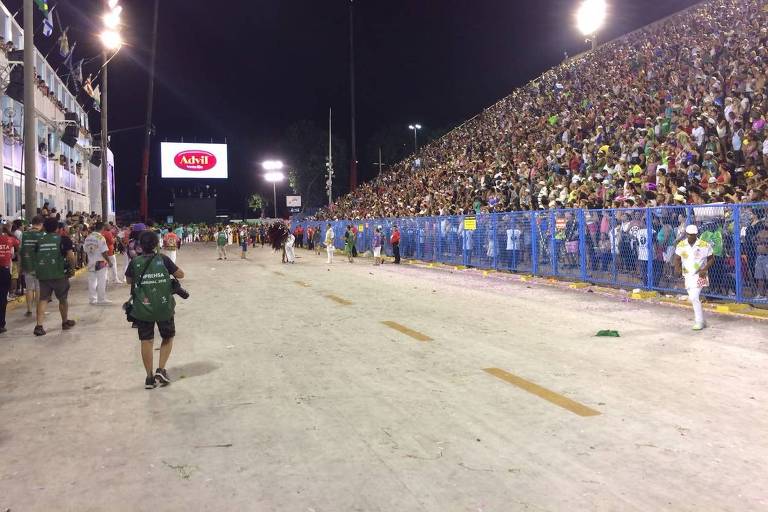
(194, 160)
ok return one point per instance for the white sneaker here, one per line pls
(105, 302)
(698, 327)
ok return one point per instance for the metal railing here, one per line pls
(627, 248)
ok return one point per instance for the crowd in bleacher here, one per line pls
(672, 114)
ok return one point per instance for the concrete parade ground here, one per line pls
(309, 388)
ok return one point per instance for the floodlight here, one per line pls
(590, 16)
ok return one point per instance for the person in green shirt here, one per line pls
(713, 233)
(221, 244)
(54, 264)
(29, 241)
(150, 275)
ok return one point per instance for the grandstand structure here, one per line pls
(592, 170)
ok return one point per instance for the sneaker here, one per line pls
(105, 302)
(28, 313)
(161, 376)
(3, 329)
(149, 383)
(65, 326)
(39, 331)
(698, 327)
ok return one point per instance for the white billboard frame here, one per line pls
(192, 160)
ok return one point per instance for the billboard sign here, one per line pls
(191, 160)
(293, 201)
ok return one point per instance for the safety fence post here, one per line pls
(649, 283)
(582, 244)
(496, 248)
(553, 255)
(534, 243)
(739, 271)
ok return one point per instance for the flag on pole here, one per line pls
(68, 58)
(88, 86)
(64, 43)
(97, 98)
(48, 23)
(77, 72)
(42, 5)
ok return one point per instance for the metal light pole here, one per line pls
(111, 40)
(329, 163)
(415, 128)
(30, 119)
(353, 163)
(144, 185)
(104, 143)
(274, 174)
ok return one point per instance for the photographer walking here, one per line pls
(55, 264)
(152, 303)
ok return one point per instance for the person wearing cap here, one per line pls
(693, 258)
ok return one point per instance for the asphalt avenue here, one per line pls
(311, 388)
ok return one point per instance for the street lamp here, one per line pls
(590, 17)
(111, 41)
(415, 128)
(274, 174)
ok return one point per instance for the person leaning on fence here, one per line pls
(152, 303)
(395, 241)
(693, 259)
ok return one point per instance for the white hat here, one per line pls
(692, 229)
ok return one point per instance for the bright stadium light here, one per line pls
(272, 165)
(590, 17)
(274, 177)
(112, 18)
(415, 128)
(111, 40)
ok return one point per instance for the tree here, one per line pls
(256, 201)
(306, 148)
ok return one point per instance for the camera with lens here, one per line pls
(177, 289)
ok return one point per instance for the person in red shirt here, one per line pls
(171, 243)
(8, 244)
(395, 240)
(112, 275)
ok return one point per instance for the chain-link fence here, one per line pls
(630, 248)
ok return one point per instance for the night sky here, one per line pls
(244, 70)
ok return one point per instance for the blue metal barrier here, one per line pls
(628, 248)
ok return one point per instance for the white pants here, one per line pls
(377, 252)
(694, 295)
(330, 249)
(289, 254)
(171, 255)
(112, 276)
(97, 285)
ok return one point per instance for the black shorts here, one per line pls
(59, 287)
(167, 329)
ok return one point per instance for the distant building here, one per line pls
(66, 178)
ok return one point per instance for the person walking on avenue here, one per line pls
(8, 244)
(693, 257)
(377, 246)
(316, 240)
(329, 247)
(221, 244)
(55, 262)
(395, 240)
(97, 251)
(171, 243)
(152, 303)
(290, 253)
(29, 241)
(112, 275)
(349, 243)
